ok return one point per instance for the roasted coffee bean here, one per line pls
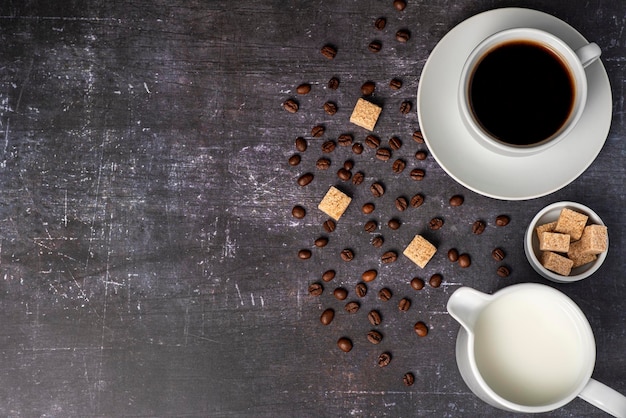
(384, 294)
(478, 227)
(408, 379)
(301, 144)
(290, 106)
(360, 289)
(328, 146)
(352, 307)
(370, 226)
(389, 257)
(317, 131)
(305, 179)
(404, 304)
(374, 337)
(502, 220)
(383, 154)
(421, 329)
(403, 35)
(374, 317)
(328, 275)
(333, 83)
(393, 224)
(294, 160)
(498, 254)
(321, 242)
(372, 141)
(401, 203)
(344, 344)
(368, 208)
(327, 316)
(347, 254)
(378, 241)
(453, 255)
(456, 200)
(435, 223)
(421, 155)
(358, 178)
(315, 289)
(380, 23)
(357, 148)
(395, 143)
(329, 225)
(398, 166)
(417, 201)
(435, 280)
(405, 107)
(369, 275)
(368, 88)
(330, 108)
(348, 164)
(340, 293)
(303, 88)
(418, 174)
(329, 51)
(344, 174)
(417, 283)
(304, 254)
(375, 46)
(322, 164)
(395, 84)
(377, 189)
(399, 4)
(298, 212)
(465, 261)
(384, 359)
(503, 271)
(418, 137)
(344, 140)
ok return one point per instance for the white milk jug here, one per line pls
(528, 348)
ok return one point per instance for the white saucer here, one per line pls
(471, 164)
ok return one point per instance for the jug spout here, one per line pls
(465, 305)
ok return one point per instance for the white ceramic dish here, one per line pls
(531, 242)
(472, 165)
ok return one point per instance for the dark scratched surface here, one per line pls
(148, 256)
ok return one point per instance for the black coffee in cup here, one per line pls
(521, 93)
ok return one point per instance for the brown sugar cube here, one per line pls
(334, 203)
(549, 227)
(420, 251)
(575, 250)
(556, 263)
(594, 239)
(583, 259)
(572, 223)
(365, 114)
(553, 241)
(578, 257)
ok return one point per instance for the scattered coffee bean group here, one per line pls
(389, 153)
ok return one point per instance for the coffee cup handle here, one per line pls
(606, 398)
(588, 53)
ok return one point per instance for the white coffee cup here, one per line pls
(528, 348)
(573, 62)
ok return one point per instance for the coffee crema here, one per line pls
(521, 93)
